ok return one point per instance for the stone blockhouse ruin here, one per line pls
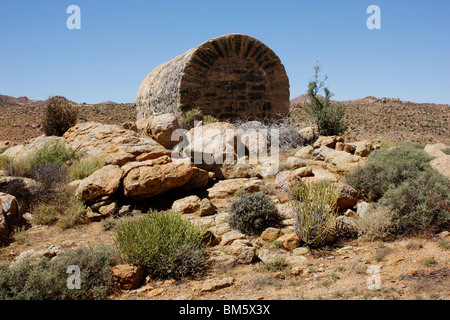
(229, 77)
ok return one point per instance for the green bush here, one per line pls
(314, 208)
(84, 167)
(46, 279)
(253, 213)
(54, 151)
(327, 115)
(4, 162)
(446, 151)
(167, 245)
(420, 204)
(187, 120)
(388, 168)
(59, 115)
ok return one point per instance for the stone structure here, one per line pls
(228, 77)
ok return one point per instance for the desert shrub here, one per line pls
(208, 119)
(252, 213)
(388, 168)
(327, 115)
(18, 168)
(279, 130)
(45, 279)
(59, 115)
(314, 211)
(376, 224)
(4, 162)
(446, 151)
(187, 120)
(84, 167)
(53, 152)
(167, 245)
(62, 207)
(420, 204)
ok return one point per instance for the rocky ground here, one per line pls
(139, 170)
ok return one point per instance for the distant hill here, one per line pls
(390, 119)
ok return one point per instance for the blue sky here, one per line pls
(120, 42)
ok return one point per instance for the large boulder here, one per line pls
(160, 128)
(327, 141)
(362, 148)
(283, 182)
(149, 178)
(441, 161)
(215, 143)
(103, 182)
(347, 196)
(341, 161)
(26, 150)
(255, 142)
(10, 216)
(226, 188)
(113, 143)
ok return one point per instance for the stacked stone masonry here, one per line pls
(229, 77)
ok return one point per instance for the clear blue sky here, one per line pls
(120, 42)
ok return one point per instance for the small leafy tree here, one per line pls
(327, 115)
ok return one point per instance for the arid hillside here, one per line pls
(391, 119)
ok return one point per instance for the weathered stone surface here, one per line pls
(226, 188)
(309, 134)
(255, 142)
(295, 162)
(189, 204)
(207, 208)
(236, 170)
(26, 150)
(341, 161)
(160, 128)
(215, 143)
(270, 234)
(347, 196)
(229, 237)
(283, 182)
(362, 148)
(127, 276)
(303, 172)
(215, 284)
(441, 163)
(244, 251)
(152, 177)
(200, 178)
(228, 77)
(289, 241)
(113, 143)
(10, 216)
(327, 141)
(103, 182)
(305, 152)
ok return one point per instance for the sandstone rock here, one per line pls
(189, 204)
(305, 152)
(200, 178)
(113, 143)
(128, 276)
(320, 174)
(309, 134)
(215, 143)
(341, 146)
(244, 251)
(442, 165)
(152, 177)
(347, 196)
(10, 216)
(159, 128)
(207, 208)
(341, 161)
(362, 148)
(215, 284)
(230, 236)
(318, 155)
(303, 172)
(301, 251)
(295, 162)
(24, 151)
(283, 181)
(255, 142)
(236, 170)
(289, 241)
(435, 150)
(328, 141)
(103, 182)
(226, 188)
(270, 234)
(108, 209)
